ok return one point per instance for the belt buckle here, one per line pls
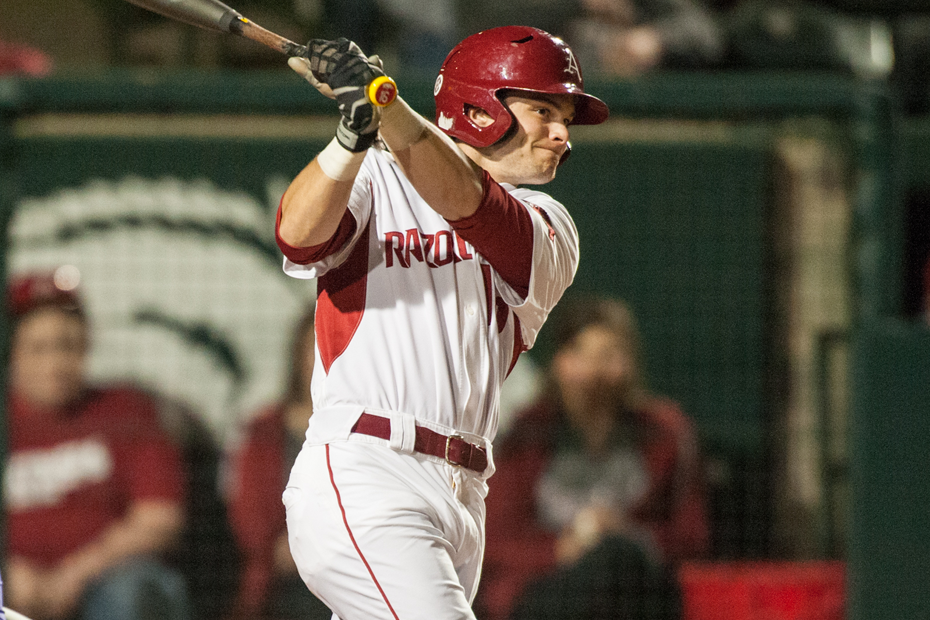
(449, 441)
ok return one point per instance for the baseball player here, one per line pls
(434, 272)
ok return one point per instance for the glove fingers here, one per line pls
(302, 67)
(325, 56)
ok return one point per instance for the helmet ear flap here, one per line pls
(453, 101)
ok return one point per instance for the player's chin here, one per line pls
(545, 171)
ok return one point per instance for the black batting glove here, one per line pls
(324, 54)
(343, 66)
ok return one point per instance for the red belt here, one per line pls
(454, 449)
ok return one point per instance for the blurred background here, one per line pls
(760, 198)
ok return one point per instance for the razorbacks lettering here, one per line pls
(434, 249)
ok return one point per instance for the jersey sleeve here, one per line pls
(531, 242)
(554, 262)
(501, 229)
(313, 262)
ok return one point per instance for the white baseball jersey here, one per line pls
(414, 316)
(419, 321)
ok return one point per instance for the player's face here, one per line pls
(532, 154)
(47, 363)
(593, 371)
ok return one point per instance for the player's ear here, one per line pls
(478, 116)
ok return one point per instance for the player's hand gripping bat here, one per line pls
(214, 15)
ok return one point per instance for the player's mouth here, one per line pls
(555, 150)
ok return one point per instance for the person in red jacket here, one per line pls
(269, 585)
(598, 492)
(93, 490)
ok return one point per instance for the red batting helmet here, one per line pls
(507, 58)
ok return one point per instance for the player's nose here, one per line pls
(558, 132)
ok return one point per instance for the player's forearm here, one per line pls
(313, 206)
(150, 528)
(446, 179)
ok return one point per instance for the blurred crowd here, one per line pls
(613, 38)
(119, 506)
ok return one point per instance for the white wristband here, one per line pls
(401, 126)
(339, 163)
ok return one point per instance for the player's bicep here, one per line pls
(308, 263)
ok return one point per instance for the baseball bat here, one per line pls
(214, 15)
(13, 615)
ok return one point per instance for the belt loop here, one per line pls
(403, 432)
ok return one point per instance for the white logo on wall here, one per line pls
(183, 285)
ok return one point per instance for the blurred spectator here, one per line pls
(22, 60)
(270, 587)
(804, 34)
(416, 34)
(615, 38)
(626, 38)
(423, 32)
(598, 493)
(93, 486)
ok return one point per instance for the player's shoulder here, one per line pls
(541, 202)
(666, 417)
(123, 410)
(267, 422)
(121, 398)
(533, 196)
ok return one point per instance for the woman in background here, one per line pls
(598, 493)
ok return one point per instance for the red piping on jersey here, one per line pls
(488, 290)
(518, 345)
(341, 296)
(358, 550)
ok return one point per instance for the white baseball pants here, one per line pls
(377, 534)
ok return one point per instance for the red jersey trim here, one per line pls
(341, 296)
(316, 253)
(502, 231)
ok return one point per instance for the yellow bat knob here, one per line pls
(382, 91)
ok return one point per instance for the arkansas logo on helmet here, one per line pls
(507, 58)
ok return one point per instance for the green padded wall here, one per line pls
(889, 554)
(677, 229)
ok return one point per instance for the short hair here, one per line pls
(577, 313)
